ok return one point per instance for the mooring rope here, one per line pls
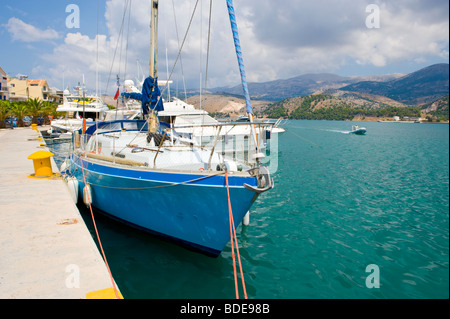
(233, 243)
(98, 236)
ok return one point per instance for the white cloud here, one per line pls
(278, 41)
(21, 31)
(404, 35)
(315, 36)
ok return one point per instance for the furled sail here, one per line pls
(237, 45)
(150, 96)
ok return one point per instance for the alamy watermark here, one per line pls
(73, 19)
(373, 19)
(373, 280)
(73, 279)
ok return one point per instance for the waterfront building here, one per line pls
(21, 89)
(4, 94)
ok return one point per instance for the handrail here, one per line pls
(224, 124)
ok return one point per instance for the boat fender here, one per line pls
(63, 167)
(231, 166)
(87, 195)
(246, 220)
(72, 185)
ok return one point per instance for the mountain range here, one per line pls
(420, 87)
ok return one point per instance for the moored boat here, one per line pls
(148, 174)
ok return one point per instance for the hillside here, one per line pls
(437, 110)
(225, 104)
(298, 86)
(340, 106)
(329, 96)
(420, 87)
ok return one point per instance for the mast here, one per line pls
(152, 118)
(154, 39)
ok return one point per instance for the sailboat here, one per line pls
(146, 174)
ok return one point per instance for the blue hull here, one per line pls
(193, 214)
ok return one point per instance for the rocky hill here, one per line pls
(420, 87)
(225, 104)
(299, 86)
(437, 109)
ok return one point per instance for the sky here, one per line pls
(66, 41)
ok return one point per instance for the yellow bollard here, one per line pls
(42, 164)
(34, 127)
(108, 293)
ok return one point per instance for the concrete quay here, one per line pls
(46, 250)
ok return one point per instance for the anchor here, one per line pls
(264, 181)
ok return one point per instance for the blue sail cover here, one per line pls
(237, 45)
(150, 96)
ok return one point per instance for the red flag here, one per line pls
(117, 94)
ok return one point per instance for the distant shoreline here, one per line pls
(389, 120)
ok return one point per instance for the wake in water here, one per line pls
(338, 131)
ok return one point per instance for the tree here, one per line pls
(48, 108)
(4, 112)
(20, 110)
(35, 108)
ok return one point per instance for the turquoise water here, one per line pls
(341, 202)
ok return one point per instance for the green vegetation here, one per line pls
(441, 113)
(32, 107)
(277, 112)
(219, 115)
(20, 110)
(337, 110)
(4, 112)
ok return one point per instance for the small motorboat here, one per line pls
(358, 130)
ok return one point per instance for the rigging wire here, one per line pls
(181, 60)
(209, 41)
(128, 34)
(207, 60)
(201, 53)
(180, 49)
(96, 73)
(119, 38)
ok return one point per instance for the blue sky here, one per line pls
(21, 56)
(279, 39)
